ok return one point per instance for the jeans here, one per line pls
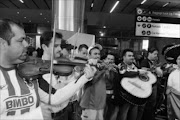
(149, 110)
(71, 112)
(111, 110)
(127, 111)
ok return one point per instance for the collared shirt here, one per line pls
(123, 67)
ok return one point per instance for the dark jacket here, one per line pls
(94, 96)
(118, 90)
(95, 91)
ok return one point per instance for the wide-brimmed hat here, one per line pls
(98, 46)
(166, 47)
(171, 53)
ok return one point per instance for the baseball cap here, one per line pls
(98, 46)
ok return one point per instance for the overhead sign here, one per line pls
(150, 24)
(155, 19)
(174, 14)
(157, 29)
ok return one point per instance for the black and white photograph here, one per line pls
(89, 59)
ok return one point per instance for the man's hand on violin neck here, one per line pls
(46, 111)
(89, 71)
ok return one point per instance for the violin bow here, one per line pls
(73, 55)
(52, 58)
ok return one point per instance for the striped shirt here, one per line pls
(17, 96)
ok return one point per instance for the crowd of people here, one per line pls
(95, 89)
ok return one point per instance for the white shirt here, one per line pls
(174, 79)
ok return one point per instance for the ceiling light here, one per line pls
(29, 20)
(25, 17)
(143, 1)
(40, 13)
(45, 18)
(166, 4)
(102, 34)
(117, 2)
(92, 4)
(17, 12)
(104, 26)
(145, 44)
(48, 21)
(21, 1)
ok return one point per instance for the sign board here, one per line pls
(157, 29)
(152, 25)
(173, 14)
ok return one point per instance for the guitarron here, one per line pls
(136, 90)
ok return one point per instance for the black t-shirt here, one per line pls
(146, 63)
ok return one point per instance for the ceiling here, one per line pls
(39, 11)
(129, 6)
(28, 4)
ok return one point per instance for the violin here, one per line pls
(31, 69)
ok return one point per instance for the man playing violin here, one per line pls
(18, 99)
(63, 87)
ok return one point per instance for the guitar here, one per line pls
(138, 88)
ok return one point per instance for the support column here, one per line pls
(69, 14)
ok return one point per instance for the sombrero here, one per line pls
(165, 47)
(171, 53)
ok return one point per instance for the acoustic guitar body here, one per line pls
(136, 90)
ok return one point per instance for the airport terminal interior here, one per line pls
(116, 25)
